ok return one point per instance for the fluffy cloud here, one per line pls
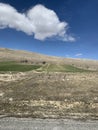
(38, 21)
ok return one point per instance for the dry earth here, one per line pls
(50, 95)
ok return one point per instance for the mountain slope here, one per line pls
(35, 58)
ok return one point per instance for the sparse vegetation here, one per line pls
(59, 94)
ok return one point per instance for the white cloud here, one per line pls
(68, 38)
(79, 54)
(38, 21)
(9, 17)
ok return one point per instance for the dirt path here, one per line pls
(45, 124)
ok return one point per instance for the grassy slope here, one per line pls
(60, 68)
(14, 66)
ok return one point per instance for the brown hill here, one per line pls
(30, 57)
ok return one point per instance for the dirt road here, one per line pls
(46, 124)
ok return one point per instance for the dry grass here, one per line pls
(51, 95)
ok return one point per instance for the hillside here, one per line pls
(35, 58)
(39, 86)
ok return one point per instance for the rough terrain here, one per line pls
(50, 89)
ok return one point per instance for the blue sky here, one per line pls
(80, 33)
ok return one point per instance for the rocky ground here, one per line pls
(49, 94)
